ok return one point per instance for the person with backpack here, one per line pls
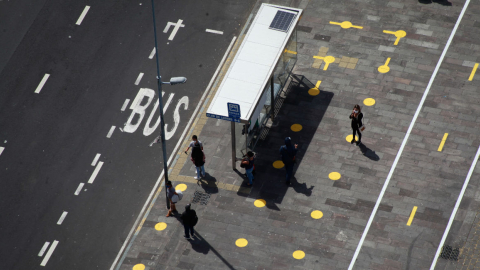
(356, 117)
(198, 158)
(189, 219)
(288, 153)
(249, 164)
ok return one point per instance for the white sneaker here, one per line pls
(196, 178)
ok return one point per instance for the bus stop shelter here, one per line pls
(256, 76)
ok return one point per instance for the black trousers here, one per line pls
(355, 130)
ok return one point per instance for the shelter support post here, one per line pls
(234, 149)
(272, 103)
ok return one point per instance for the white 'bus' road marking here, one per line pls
(94, 162)
(152, 54)
(80, 19)
(95, 172)
(45, 246)
(214, 31)
(79, 188)
(125, 104)
(42, 83)
(404, 142)
(49, 253)
(62, 217)
(454, 212)
(1, 149)
(110, 132)
(139, 78)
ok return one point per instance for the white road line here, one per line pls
(454, 212)
(404, 142)
(94, 162)
(214, 31)
(49, 253)
(79, 188)
(125, 104)
(110, 132)
(80, 19)
(95, 172)
(182, 137)
(42, 83)
(152, 54)
(62, 217)
(139, 78)
(45, 246)
(1, 150)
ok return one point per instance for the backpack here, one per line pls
(195, 220)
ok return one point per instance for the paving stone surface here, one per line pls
(423, 177)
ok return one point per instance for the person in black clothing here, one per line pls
(288, 153)
(198, 158)
(356, 117)
(189, 219)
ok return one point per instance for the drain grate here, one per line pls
(200, 198)
(449, 253)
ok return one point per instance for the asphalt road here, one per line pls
(50, 138)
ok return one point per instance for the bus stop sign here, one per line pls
(233, 111)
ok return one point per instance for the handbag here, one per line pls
(362, 128)
(244, 163)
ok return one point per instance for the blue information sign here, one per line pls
(233, 110)
(223, 117)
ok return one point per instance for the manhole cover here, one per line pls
(200, 197)
(449, 253)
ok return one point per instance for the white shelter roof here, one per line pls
(255, 61)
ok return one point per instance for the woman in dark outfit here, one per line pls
(356, 117)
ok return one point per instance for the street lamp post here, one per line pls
(174, 80)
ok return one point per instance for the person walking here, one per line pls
(170, 193)
(249, 162)
(189, 219)
(356, 117)
(288, 153)
(198, 158)
(193, 142)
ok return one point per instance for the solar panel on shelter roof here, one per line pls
(282, 21)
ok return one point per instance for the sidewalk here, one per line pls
(317, 222)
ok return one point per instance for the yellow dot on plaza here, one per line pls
(334, 176)
(313, 91)
(383, 69)
(400, 34)
(316, 214)
(181, 187)
(369, 102)
(346, 24)
(160, 226)
(139, 267)
(260, 203)
(329, 59)
(241, 242)
(296, 127)
(349, 138)
(298, 254)
(278, 164)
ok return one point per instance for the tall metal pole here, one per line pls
(160, 103)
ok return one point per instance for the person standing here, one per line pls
(356, 117)
(198, 158)
(249, 163)
(170, 193)
(189, 219)
(288, 154)
(193, 142)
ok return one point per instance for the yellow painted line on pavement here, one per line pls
(473, 72)
(384, 68)
(288, 51)
(443, 142)
(411, 216)
(346, 25)
(399, 34)
(315, 91)
(318, 84)
(328, 60)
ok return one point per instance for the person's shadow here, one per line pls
(301, 188)
(441, 2)
(208, 183)
(368, 152)
(200, 245)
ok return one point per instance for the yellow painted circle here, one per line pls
(383, 69)
(160, 226)
(349, 138)
(278, 164)
(139, 267)
(260, 203)
(298, 254)
(329, 59)
(181, 187)
(400, 34)
(369, 102)
(313, 91)
(334, 176)
(346, 24)
(296, 127)
(241, 242)
(316, 214)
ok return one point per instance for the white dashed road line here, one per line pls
(62, 218)
(139, 78)
(125, 104)
(110, 132)
(152, 54)
(1, 150)
(214, 31)
(42, 83)
(95, 172)
(82, 16)
(45, 246)
(79, 188)
(49, 253)
(94, 162)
